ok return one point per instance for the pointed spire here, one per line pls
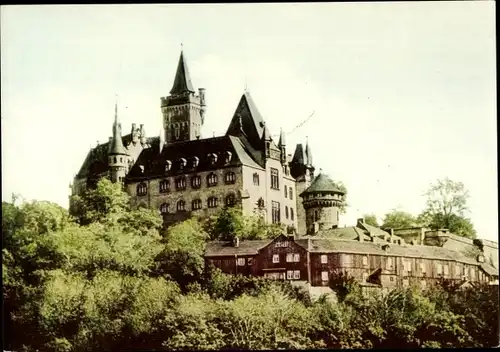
(182, 81)
(116, 143)
(282, 141)
(308, 153)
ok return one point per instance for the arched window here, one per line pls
(291, 213)
(180, 183)
(290, 193)
(230, 177)
(286, 212)
(196, 204)
(182, 163)
(196, 182)
(212, 202)
(212, 158)
(196, 161)
(164, 208)
(142, 189)
(181, 205)
(212, 180)
(164, 186)
(230, 200)
(286, 191)
(114, 159)
(227, 157)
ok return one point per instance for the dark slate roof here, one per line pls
(345, 233)
(117, 142)
(226, 248)
(253, 122)
(154, 162)
(182, 81)
(299, 157)
(96, 161)
(322, 183)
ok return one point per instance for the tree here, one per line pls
(446, 207)
(397, 219)
(371, 219)
(341, 186)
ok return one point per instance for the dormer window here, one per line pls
(142, 168)
(180, 183)
(196, 182)
(196, 161)
(230, 178)
(212, 158)
(212, 180)
(182, 163)
(164, 186)
(168, 165)
(228, 156)
(181, 205)
(142, 189)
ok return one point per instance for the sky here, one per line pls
(401, 93)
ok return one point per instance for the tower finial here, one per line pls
(116, 108)
(182, 46)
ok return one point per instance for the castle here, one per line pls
(183, 175)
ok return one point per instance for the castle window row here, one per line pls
(181, 183)
(197, 204)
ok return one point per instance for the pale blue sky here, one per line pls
(403, 93)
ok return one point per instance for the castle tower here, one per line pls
(117, 154)
(302, 170)
(183, 112)
(321, 202)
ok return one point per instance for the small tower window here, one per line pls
(230, 200)
(114, 160)
(256, 180)
(290, 193)
(168, 165)
(196, 204)
(164, 186)
(212, 202)
(196, 182)
(212, 180)
(181, 205)
(316, 215)
(230, 177)
(196, 161)
(164, 208)
(142, 189)
(180, 183)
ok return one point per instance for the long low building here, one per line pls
(374, 257)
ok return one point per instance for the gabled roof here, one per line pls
(251, 119)
(154, 162)
(322, 183)
(343, 233)
(182, 81)
(227, 248)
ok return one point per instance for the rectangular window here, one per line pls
(286, 212)
(446, 272)
(275, 212)
(289, 275)
(289, 257)
(365, 260)
(291, 214)
(276, 258)
(275, 183)
(286, 191)
(346, 260)
(296, 257)
(439, 269)
(389, 264)
(296, 274)
(422, 268)
(324, 259)
(457, 270)
(281, 244)
(472, 273)
(324, 276)
(256, 181)
(241, 261)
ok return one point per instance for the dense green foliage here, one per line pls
(371, 219)
(111, 279)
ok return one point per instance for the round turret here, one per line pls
(322, 201)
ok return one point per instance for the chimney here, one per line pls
(360, 222)
(361, 238)
(386, 247)
(134, 127)
(236, 242)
